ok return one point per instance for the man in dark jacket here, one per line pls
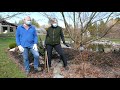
(53, 38)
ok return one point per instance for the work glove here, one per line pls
(35, 47)
(21, 48)
(45, 47)
(66, 44)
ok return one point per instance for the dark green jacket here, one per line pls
(54, 36)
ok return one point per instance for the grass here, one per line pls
(113, 40)
(8, 69)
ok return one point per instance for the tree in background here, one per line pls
(20, 22)
(84, 23)
(34, 22)
(92, 29)
(88, 21)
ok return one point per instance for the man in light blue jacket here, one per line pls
(27, 39)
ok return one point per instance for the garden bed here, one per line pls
(87, 65)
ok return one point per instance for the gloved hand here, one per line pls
(66, 44)
(21, 48)
(35, 47)
(45, 47)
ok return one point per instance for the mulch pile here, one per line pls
(85, 64)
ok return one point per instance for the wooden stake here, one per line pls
(46, 61)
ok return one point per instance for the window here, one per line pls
(11, 29)
(4, 28)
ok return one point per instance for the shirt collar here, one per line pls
(29, 26)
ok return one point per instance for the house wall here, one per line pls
(4, 26)
(8, 28)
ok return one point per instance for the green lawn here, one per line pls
(113, 40)
(8, 69)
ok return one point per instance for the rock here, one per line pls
(41, 57)
(42, 62)
(106, 50)
(58, 76)
(63, 46)
(12, 50)
(59, 64)
(56, 70)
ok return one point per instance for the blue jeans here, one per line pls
(26, 59)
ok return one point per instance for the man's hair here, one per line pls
(53, 20)
(26, 17)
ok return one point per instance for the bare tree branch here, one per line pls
(91, 17)
(11, 16)
(108, 17)
(104, 33)
(66, 25)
